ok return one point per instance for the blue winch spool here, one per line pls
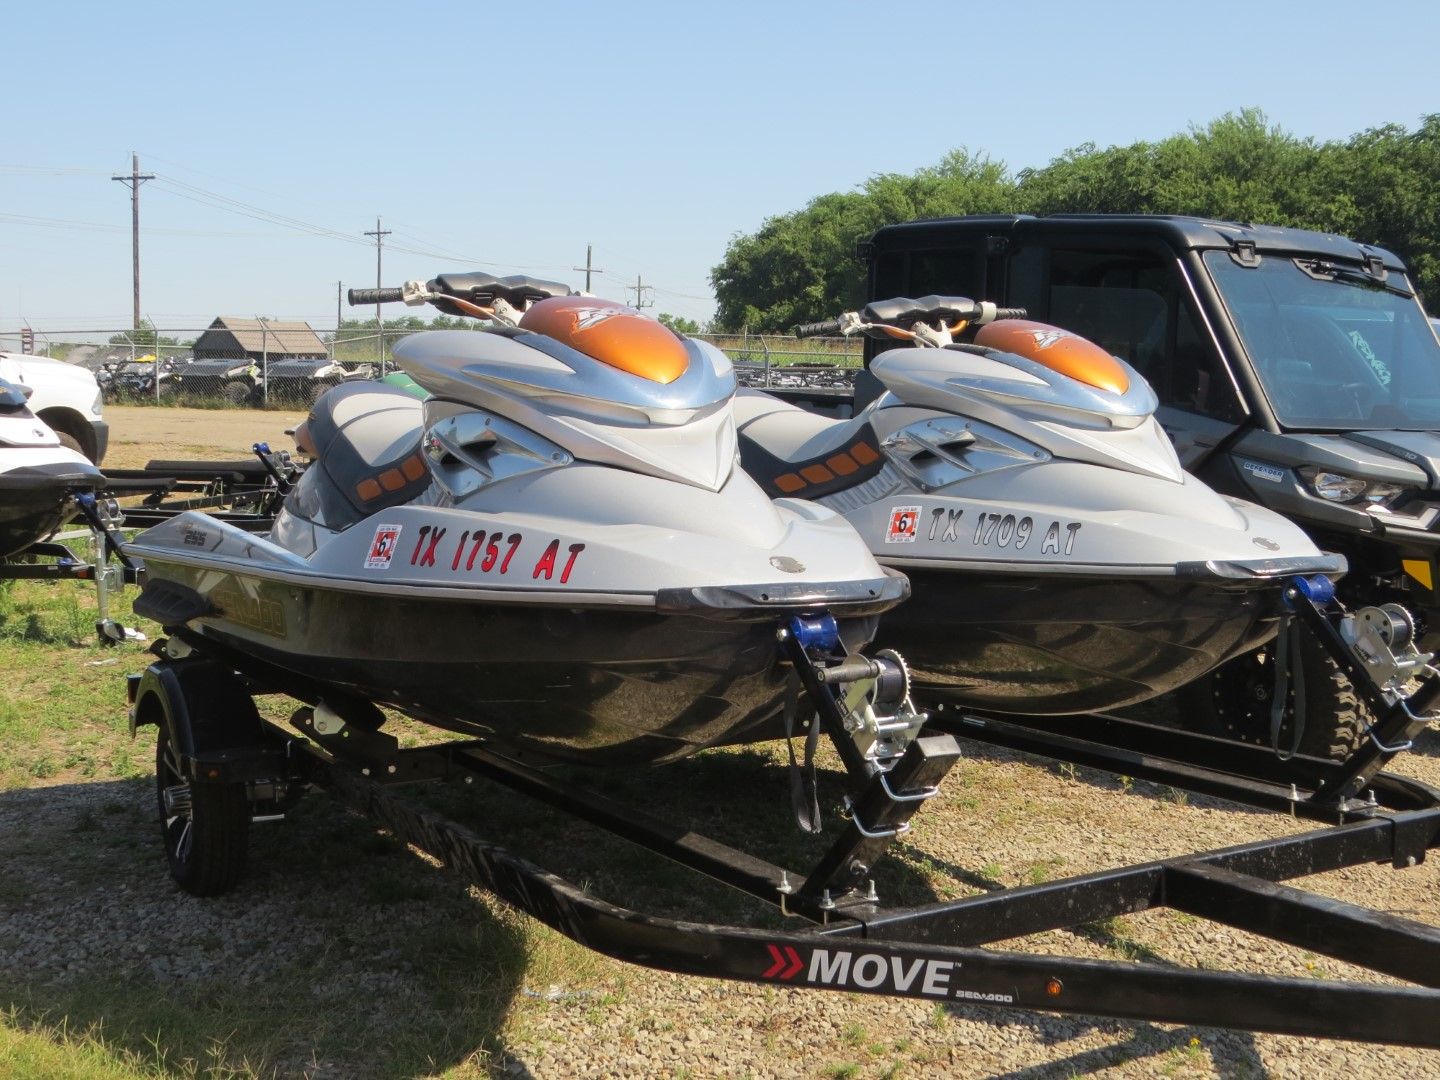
(815, 631)
(1318, 589)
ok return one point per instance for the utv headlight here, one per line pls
(1339, 488)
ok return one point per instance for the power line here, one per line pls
(639, 289)
(379, 235)
(588, 268)
(133, 182)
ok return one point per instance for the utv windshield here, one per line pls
(1333, 348)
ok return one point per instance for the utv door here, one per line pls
(1136, 301)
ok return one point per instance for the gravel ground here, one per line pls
(85, 901)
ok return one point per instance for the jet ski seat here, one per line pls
(366, 438)
(803, 455)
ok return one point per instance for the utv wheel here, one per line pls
(236, 393)
(205, 826)
(1234, 702)
(71, 433)
(70, 442)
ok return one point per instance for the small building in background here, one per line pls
(229, 338)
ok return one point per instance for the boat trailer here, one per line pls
(940, 951)
(245, 493)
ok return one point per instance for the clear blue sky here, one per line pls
(507, 136)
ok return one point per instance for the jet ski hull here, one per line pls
(1045, 645)
(37, 500)
(600, 670)
(585, 685)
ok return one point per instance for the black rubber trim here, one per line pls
(766, 469)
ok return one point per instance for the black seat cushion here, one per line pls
(367, 443)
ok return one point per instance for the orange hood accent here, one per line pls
(1059, 350)
(612, 333)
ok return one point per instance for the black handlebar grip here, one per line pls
(1011, 313)
(828, 328)
(361, 297)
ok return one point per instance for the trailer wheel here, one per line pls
(205, 826)
(1233, 702)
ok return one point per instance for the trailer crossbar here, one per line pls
(953, 974)
(1373, 939)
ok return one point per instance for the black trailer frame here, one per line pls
(934, 951)
(246, 494)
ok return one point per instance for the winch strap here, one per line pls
(804, 796)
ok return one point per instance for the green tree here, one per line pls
(801, 266)
(1391, 179)
(678, 323)
(1381, 186)
(1237, 168)
(143, 337)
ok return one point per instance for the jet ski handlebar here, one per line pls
(930, 320)
(365, 297)
(477, 294)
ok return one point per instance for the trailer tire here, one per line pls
(1233, 702)
(205, 847)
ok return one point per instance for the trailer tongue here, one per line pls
(935, 951)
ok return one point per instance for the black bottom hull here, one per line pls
(1052, 645)
(598, 686)
(36, 501)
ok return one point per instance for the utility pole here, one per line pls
(640, 289)
(379, 235)
(134, 180)
(339, 286)
(588, 268)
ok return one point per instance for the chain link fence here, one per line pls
(160, 367)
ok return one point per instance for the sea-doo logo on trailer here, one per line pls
(904, 520)
(918, 976)
(382, 547)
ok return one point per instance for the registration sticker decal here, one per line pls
(904, 522)
(382, 547)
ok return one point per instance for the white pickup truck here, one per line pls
(65, 396)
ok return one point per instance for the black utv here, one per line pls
(1294, 369)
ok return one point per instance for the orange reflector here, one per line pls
(611, 333)
(1053, 987)
(1057, 349)
(1419, 569)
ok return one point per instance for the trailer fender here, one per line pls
(203, 705)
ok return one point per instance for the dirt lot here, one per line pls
(139, 433)
(338, 943)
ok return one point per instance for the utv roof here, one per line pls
(1176, 230)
